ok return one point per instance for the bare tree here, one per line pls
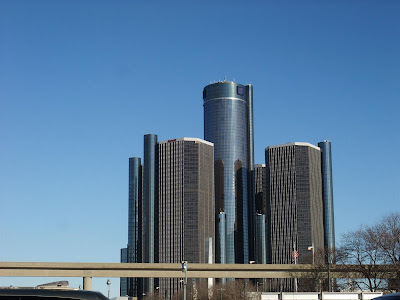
(386, 236)
(371, 246)
(357, 249)
(235, 289)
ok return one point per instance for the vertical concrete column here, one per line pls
(87, 283)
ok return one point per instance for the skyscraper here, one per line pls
(133, 252)
(150, 207)
(228, 124)
(294, 203)
(186, 204)
(171, 209)
(327, 188)
(143, 217)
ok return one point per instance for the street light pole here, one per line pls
(109, 284)
(184, 269)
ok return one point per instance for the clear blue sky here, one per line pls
(81, 82)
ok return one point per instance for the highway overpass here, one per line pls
(159, 270)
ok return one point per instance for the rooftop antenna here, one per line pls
(225, 78)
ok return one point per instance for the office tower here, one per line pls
(150, 207)
(327, 188)
(294, 203)
(261, 206)
(133, 252)
(186, 204)
(143, 217)
(228, 124)
(135, 208)
(135, 220)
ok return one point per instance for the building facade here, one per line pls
(260, 189)
(228, 124)
(186, 204)
(294, 204)
(261, 209)
(261, 240)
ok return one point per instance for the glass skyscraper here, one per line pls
(143, 217)
(327, 188)
(150, 206)
(133, 252)
(228, 123)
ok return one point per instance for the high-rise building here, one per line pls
(143, 217)
(228, 124)
(294, 204)
(135, 208)
(171, 210)
(133, 252)
(327, 188)
(186, 204)
(150, 207)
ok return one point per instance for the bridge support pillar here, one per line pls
(87, 283)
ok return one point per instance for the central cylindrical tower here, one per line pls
(228, 123)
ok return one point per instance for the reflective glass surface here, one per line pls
(150, 209)
(226, 125)
(134, 250)
(327, 186)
